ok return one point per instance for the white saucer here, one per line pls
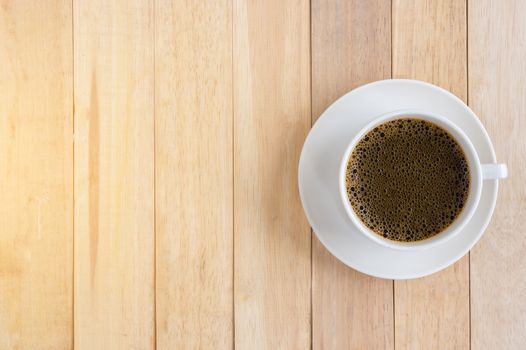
(318, 178)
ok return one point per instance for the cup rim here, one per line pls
(475, 183)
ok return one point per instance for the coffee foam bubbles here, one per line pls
(407, 179)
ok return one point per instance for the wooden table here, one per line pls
(148, 166)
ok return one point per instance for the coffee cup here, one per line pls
(478, 173)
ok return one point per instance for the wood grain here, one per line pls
(351, 45)
(194, 190)
(114, 174)
(497, 72)
(36, 174)
(271, 120)
(148, 173)
(429, 43)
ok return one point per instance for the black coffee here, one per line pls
(407, 179)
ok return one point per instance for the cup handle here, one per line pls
(494, 171)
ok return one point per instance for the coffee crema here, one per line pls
(407, 179)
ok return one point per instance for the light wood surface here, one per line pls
(194, 190)
(429, 43)
(497, 90)
(36, 175)
(148, 173)
(271, 119)
(351, 46)
(114, 175)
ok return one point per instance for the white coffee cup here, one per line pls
(478, 172)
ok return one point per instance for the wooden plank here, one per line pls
(36, 175)
(429, 43)
(271, 120)
(351, 45)
(497, 75)
(194, 190)
(114, 174)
